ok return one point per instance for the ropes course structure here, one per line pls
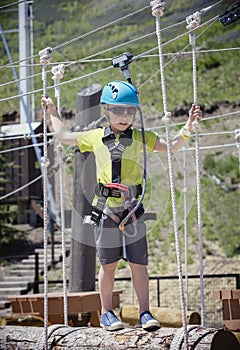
(45, 57)
(157, 12)
(58, 72)
(193, 23)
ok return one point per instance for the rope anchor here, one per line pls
(58, 72)
(157, 7)
(193, 21)
(45, 55)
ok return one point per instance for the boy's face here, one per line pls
(120, 116)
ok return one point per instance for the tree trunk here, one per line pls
(65, 337)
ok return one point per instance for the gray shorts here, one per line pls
(113, 244)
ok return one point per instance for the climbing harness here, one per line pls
(58, 72)
(157, 12)
(115, 189)
(45, 57)
(193, 22)
(116, 150)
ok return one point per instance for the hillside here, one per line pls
(57, 23)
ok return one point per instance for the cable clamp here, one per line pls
(166, 117)
(45, 55)
(193, 21)
(157, 7)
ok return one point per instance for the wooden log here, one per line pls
(167, 317)
(65, 337)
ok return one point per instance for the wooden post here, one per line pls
(83, 251)
(231, 307)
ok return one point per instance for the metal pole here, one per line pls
(24, 54)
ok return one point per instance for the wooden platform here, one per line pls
(231, 308)
(78, 303)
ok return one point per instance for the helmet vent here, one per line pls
(114, 91)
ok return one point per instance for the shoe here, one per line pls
(110, 322)
(148, 322)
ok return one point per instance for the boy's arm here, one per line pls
(179, 140)
(61, 132)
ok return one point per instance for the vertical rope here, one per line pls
(58, 72)
(45, 56)
(237, 140)
(193, 22)
(157, 11)
(185, 226)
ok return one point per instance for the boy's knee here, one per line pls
(109, 267)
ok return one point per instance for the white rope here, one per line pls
(176, 55)
(237, 139)
(58, 72)
(193, 22)
(45, 57)
(157, 12)
(185, 189)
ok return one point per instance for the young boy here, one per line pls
(117, 149)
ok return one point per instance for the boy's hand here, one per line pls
(47, 103)
(195, 114)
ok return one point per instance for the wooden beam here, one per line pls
(64, 337)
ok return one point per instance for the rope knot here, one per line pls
(45, 55)
(193, 20)
(157, 7)
(237, 135)
(45, 162)
(59, 148)
(58, 72)
(166, 117)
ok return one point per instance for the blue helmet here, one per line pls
(119, 92)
